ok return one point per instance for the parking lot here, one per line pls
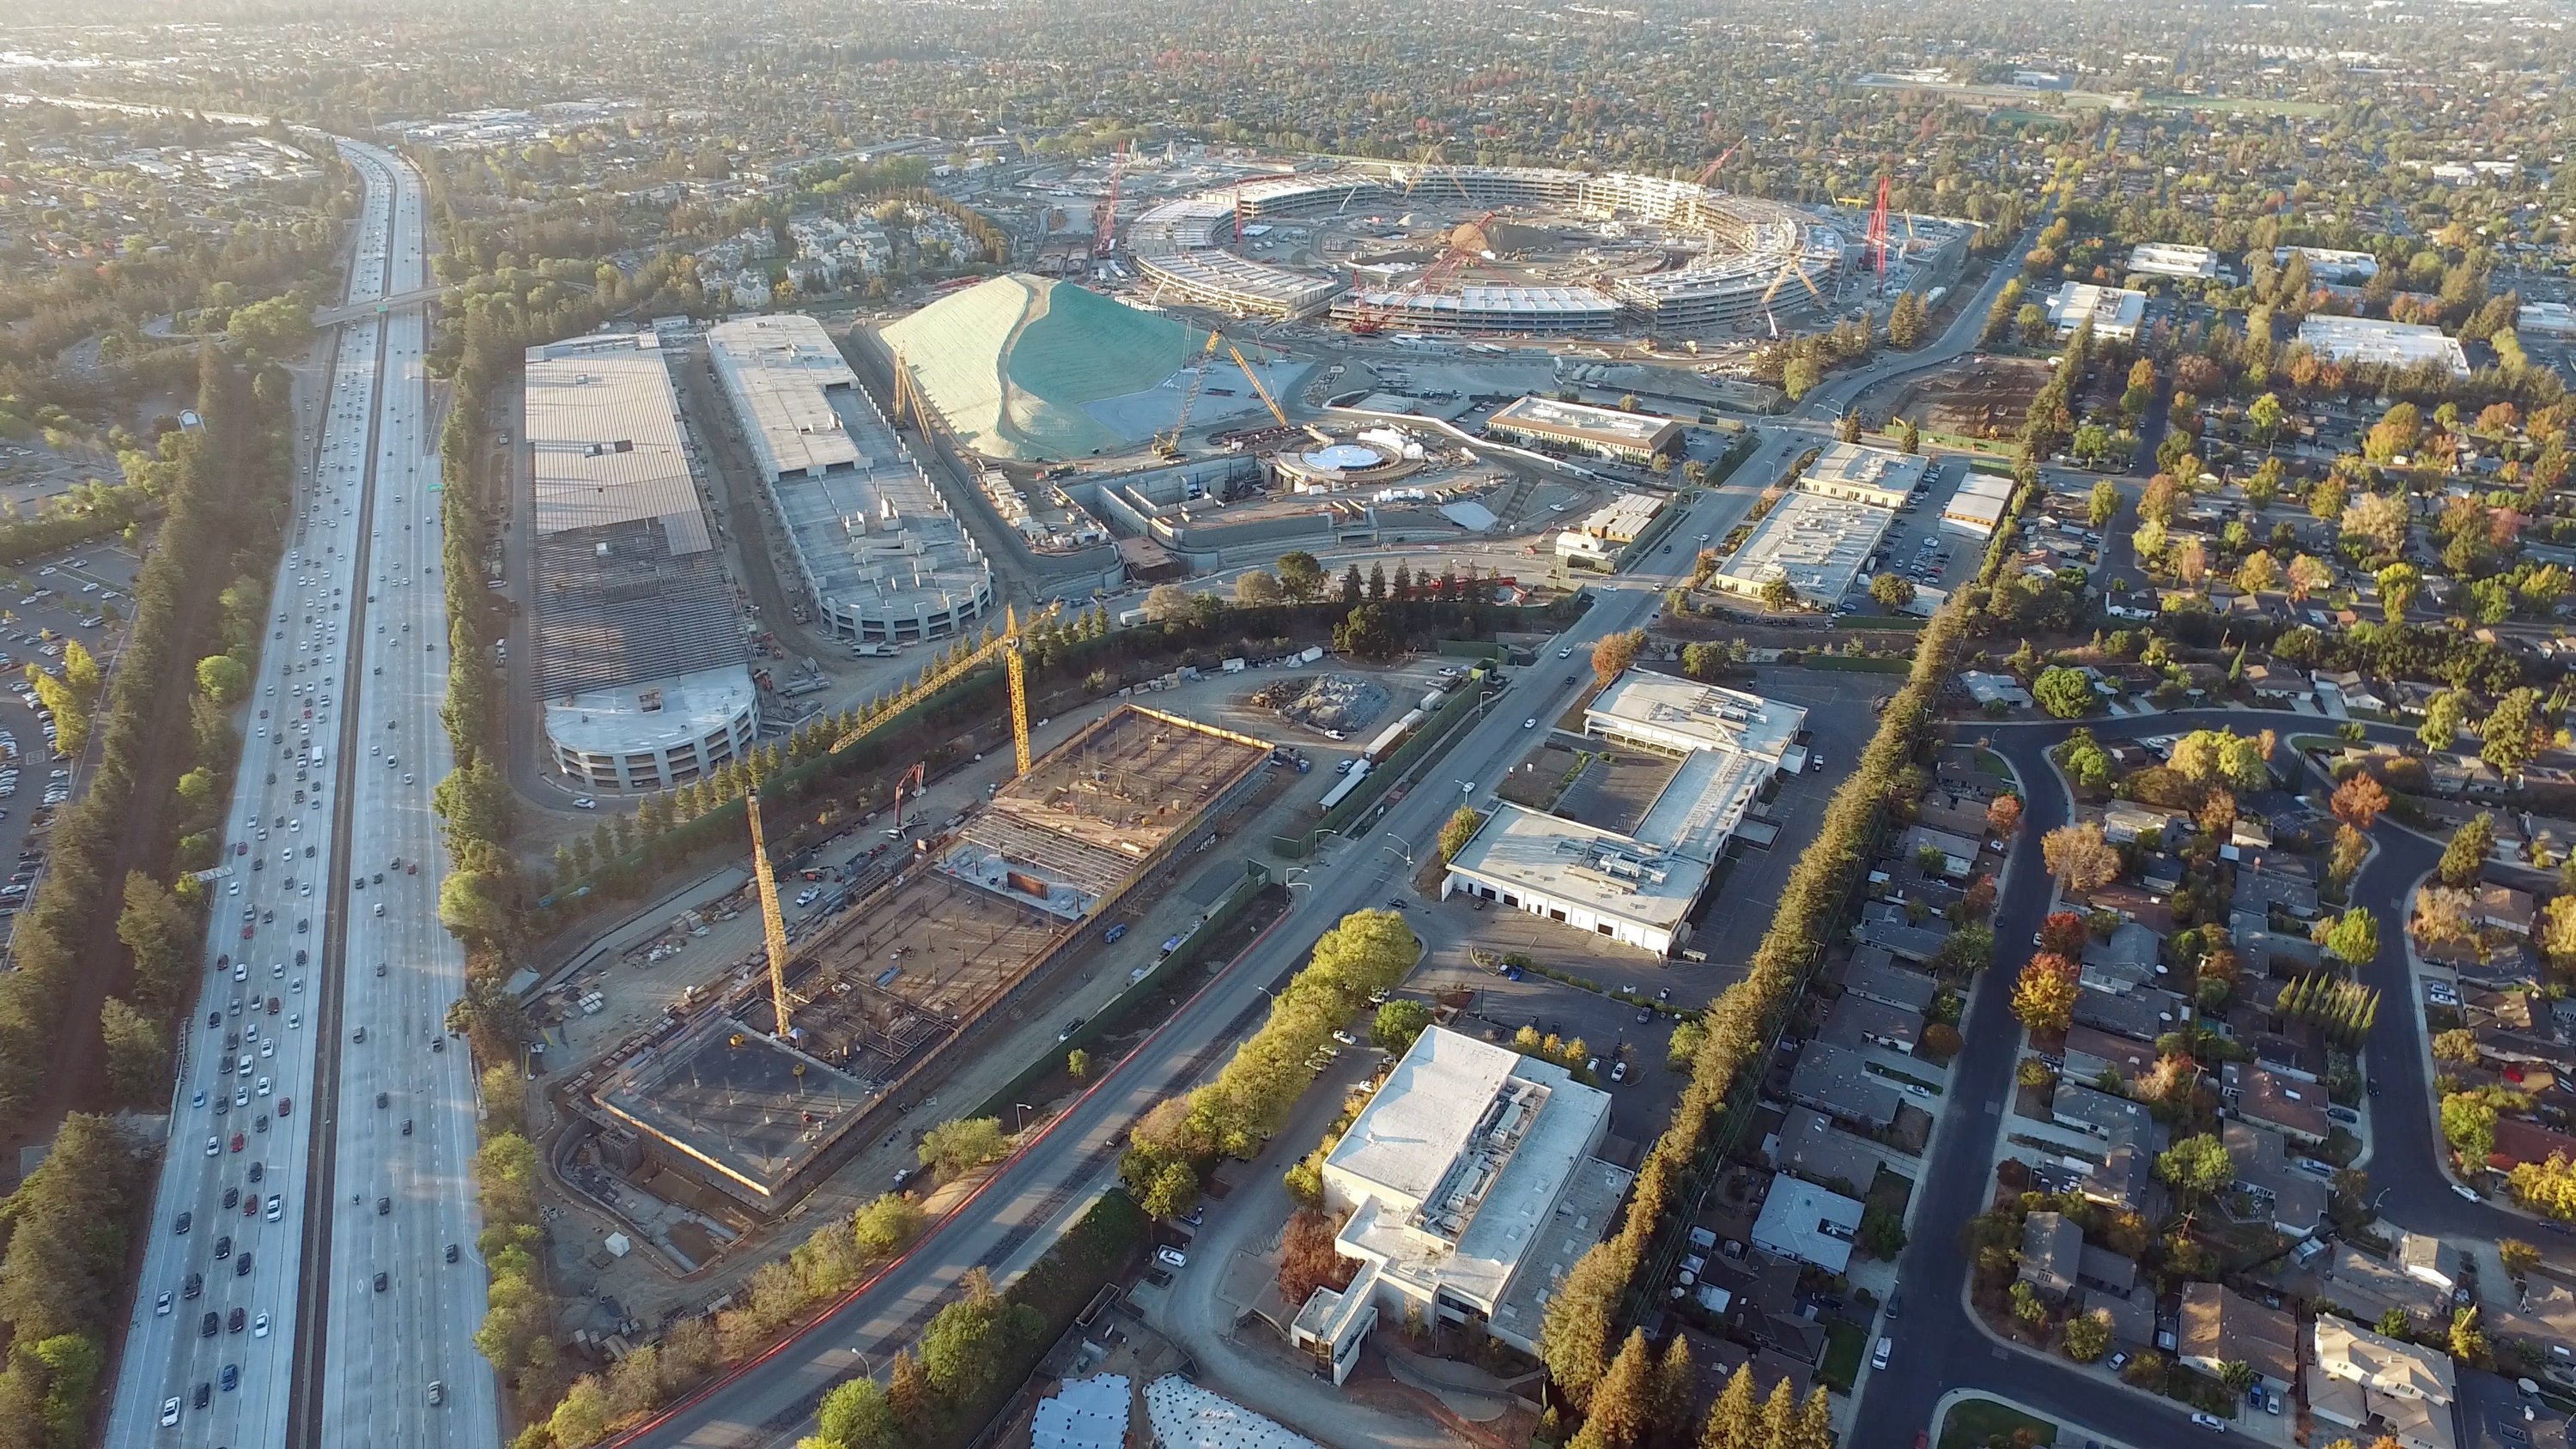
(48, 601)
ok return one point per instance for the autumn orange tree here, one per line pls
(2359, 800)
(2044, 997)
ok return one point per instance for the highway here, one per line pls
(207, 1359)
(391, 1315)
(1034, 1194)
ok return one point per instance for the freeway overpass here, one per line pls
(378, 307)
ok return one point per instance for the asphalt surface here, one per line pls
(308, 806)
(1939, 1345)
(280, 836)
(397, 1317)
(1034, 1194)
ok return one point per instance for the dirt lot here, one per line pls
(1988, 398)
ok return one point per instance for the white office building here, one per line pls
(2115, 312)
(1639, 887)
(1467, 1187)
(2388, 344)
(2170, 259)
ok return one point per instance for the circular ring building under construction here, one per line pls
(1760, 258)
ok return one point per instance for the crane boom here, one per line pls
(1168, 444)
(773, 925)
(1715, 166)
(1104, 235)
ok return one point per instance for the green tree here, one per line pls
(2398, 584)
(2088, 1336)
(1398, 1023)
(1621, 1411)
(138, 1051)
(223, 679)
(1174, 1191)
(2064, 693)
(2511, 734)
(857, 1414)
(2465, 855)
(1892, 591)
(886, 1226)
(2444, 716)
(2396, 1323)
(1077, 1064)
(1779, 595)
(1301, 577)
(963, 1143)
(2104, 504)
(2353, 937)
(1735, 1420)
(2196, 1166)
(2468, 1339)
(1461, 828)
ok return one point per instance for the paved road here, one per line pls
(1034, 1194)
(397, 1316)
(1829, 398)
(241, 1066)
(1939, 1346)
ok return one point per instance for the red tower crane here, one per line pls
(1877, 241)
(1104, 221)
(1715, 166)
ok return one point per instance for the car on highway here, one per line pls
(437, 1393)
(161, 1306)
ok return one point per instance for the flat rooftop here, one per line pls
(1567, 860)
(1584, 423)
(604, 440)
(2390, 344)
(1818, 544)
(1879, 475)
(777, 369)
(1475, 1143)
(616, 608)
(753, 1109)
(1696, 715)
(870, 530)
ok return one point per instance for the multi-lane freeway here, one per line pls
(229, 1323)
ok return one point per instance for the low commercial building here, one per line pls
(2387, 344)
(2329, 265)
(1816, 545)
(2171, 259)
(1978, 508)
(1466, 1187)
(879, 554)
(1604, 432)
(2115, 312)
(1860, 474)
(1639, 887)
(641, 660)
(1609, 530)
(2550, 319)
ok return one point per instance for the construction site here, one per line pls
(764, 1084)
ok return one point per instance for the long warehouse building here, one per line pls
(878, 551)
(641, 658)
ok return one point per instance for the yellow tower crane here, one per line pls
(1007, 643)
(1263, 393)
(773, 925)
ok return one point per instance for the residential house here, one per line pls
(2124, 821)
(2502, 908)
(1875, 976)
(2099, 1114)
(1829, 1079)
(2262, 951)
(2128, 960)
(2121, 1180)
(2544, 1319)
(2290, 1198)
(2382, 1388)
(1955, 814)
(1857, 1021)
(1886, 926)
(2143, 1012)
(2274, 880)
(2368, 1287)
(2051, 1247)
(2220, 1327)
(1994, 689)
(2356, 692)
(2162, 873)
(2090, 1053)
(2276, 683)
(2427, 1259)
(2130, 902)
(1957, 853)
(1770, 1369)
(2291, 1107)
(1811, 1146)
(1803, 1221)
(2132, 1314)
